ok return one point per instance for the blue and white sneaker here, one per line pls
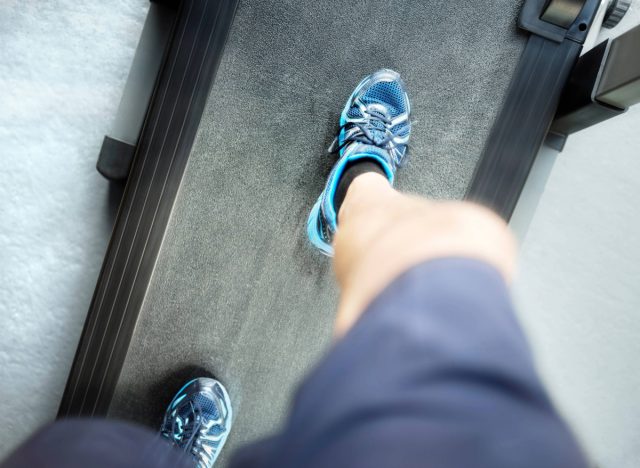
(198, 420)
(374, 125)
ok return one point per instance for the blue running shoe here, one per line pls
(198, 420)
(374, 125)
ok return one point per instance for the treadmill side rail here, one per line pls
(526, 116)
(185, 78)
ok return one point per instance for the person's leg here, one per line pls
(430, 367)
(383, 233)
(83, 443)
(195, 428)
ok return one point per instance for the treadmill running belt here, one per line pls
(236, 290)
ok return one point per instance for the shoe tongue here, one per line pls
(377, 110)
(378, 132)
(376, 125)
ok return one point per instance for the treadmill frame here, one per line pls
(185, 78)
(191, 60)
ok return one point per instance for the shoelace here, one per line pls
(181, 427)
(191, 433)
(368, 130)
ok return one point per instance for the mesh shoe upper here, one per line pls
(198, 420)
(373, 125)
(379, 108)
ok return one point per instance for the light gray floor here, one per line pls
(62, 67)
(577, 290)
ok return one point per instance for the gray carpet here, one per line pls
(237, 292)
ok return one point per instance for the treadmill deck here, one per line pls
(236, 291)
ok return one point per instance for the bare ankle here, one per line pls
(363, 192)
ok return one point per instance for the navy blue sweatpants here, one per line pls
(437, 373)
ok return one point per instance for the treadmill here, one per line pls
(208, 271)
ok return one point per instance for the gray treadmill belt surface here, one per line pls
(236, 291)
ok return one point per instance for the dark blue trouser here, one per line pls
(436, 374)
